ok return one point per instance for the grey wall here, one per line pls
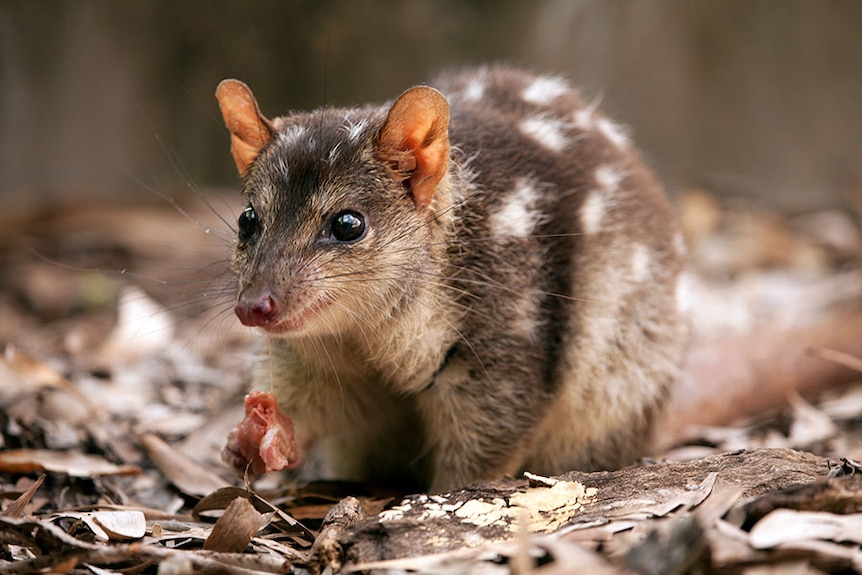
(104, 98)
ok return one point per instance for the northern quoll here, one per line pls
(459, 285)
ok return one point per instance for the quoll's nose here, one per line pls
(258, 310)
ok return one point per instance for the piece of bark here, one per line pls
(842, 495)
(426, 524)
(327, 550)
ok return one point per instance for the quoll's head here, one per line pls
(341, 209)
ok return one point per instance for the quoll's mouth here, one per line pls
(268, 314)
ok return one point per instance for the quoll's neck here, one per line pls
(408, 346)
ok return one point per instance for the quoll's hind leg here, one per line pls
(478, 422)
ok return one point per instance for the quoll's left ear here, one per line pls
(250, 131)
(415, 141)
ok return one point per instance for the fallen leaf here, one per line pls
(144, 327)
(71, 463)
(785, 526)
(810, 424)
(22, 373)
(185, 473)
(233, 531)
(120, 525)
(221, 498)
(112, 525)
(20, 504)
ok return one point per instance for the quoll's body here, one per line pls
(457, 286)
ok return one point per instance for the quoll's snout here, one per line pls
(257, 310)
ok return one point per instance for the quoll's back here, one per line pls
(458, 287)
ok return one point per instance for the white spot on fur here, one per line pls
(608, 178)
(549, 132)
(292, 135)
(353, 129)
(593, 212)
(584, 118)
(333, 153)
(518, 216)
(526, 311)
(544, 90)
(613, 132)
(475, 89)
(640, 262)
(587, 119)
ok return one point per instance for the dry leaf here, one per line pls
(120, 525)
(845, 405)
(19, 505)
(22, 373)
(185, 473)
(144, 327)
(810, 425)
(786, 525)
(68, 462)
(33, 372)
(233, 531)
(113, 525)
(221, 498)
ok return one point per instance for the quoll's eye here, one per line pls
(348, 226)
(248, 224)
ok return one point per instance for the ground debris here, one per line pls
(117, 393)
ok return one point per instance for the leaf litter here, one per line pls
(123, 372)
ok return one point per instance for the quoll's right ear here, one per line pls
(250, 131)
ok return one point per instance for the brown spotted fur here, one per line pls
(460, 348)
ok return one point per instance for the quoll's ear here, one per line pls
(415, 141)
(250, 131)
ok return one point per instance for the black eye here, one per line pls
(348, 226)
(247, 224)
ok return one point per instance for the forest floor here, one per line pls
(123, 370)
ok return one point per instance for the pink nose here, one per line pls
(257, 311)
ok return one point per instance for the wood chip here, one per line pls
(327, 551)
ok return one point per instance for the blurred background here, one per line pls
(101, 99)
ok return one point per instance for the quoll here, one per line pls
(480, 278)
